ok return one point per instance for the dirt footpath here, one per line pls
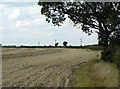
(35, 67)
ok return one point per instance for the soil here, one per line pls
(42, 67)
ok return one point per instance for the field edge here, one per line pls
(96, 73)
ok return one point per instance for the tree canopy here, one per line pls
(65, 43)
(56, 44)
(102, 16)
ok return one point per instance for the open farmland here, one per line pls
(35, 67)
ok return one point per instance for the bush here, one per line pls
(95, 47)
(116, 55)
(106, 54)
(111, 54)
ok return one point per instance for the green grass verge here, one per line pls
(93, 47)
(116, 55)
(97, 73)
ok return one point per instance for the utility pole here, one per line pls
(80, 41)
(38, 43)
(55, 41)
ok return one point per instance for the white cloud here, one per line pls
(20, 1)
(23, 23)
(42, 34)
(1, 28)
(14, 14)
(33, 28)
(18, 24)
(29, 22)
(2, 5)
(26, 23)
(35, 9)
(37, 20)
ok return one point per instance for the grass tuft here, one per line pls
(97, 73)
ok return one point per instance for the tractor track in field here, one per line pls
(36, 67)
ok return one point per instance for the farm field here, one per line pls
(47, 67)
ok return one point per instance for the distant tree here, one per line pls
(70, 46)
(56, 44)
(50, 45)
(65, 43)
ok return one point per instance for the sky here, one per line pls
(22, 24)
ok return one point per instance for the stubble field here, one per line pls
(47, 67)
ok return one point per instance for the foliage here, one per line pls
(56, 44)
(106, 55)
(112, 54)
(100, 17)
(116, 55)
(95, 47)
(65, 43)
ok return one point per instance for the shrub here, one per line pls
(95, 47)
(111, 54)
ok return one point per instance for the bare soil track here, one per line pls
(47, 67)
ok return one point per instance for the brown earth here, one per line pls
(48, 67)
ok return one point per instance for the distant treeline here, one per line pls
(93, 47)
(42, 46)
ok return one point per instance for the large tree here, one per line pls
(104, 17)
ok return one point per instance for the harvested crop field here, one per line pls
(47, 67)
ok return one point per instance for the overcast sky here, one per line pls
(22, 24)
